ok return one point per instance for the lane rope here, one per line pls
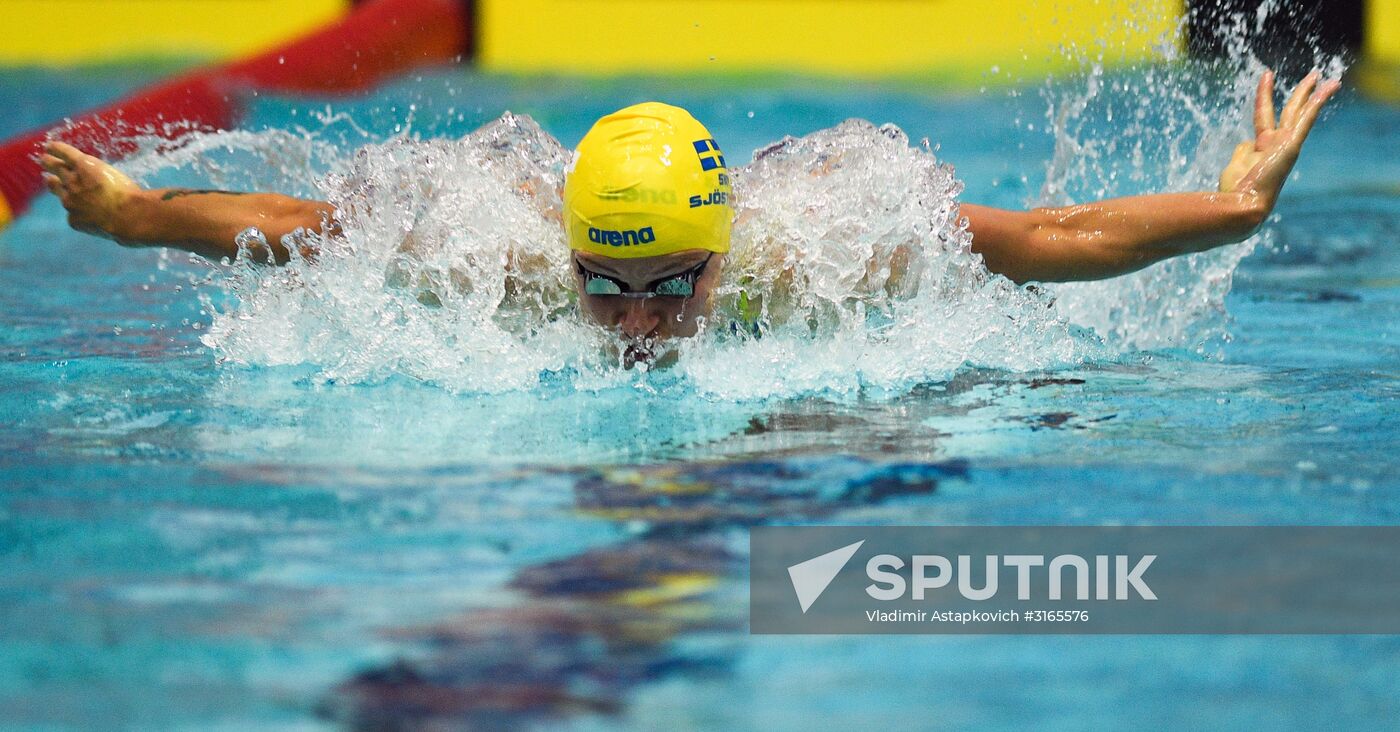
(376, 41)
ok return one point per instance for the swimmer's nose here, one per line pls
(637, 320)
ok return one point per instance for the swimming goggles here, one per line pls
(676, 285)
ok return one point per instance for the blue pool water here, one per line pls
(199, 536)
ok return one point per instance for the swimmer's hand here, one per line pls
(94, 192)
(1260, 166)
(1103, 239)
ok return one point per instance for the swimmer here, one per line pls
(647, 213)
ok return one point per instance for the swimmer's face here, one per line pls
(655, 317)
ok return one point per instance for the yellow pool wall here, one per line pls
(959, 39)
(1378, 74)
(72, 32)
(834, 37)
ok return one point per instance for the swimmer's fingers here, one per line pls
(61, 171)
(1308, 116)
(54, 185)
(1294, 108)
(54, 165)
(1264, 104)
(63, 151)
(1244, 156)
(1239, 166)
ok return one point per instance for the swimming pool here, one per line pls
(198, 537)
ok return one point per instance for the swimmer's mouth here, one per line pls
(636, 352)
(650, 352)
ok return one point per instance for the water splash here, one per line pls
(851, 272)
(1157, 128)
(451, 269)
(849, 245)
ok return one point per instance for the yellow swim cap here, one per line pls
(648, 180)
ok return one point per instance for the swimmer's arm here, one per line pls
(207, 222)
(104, 202)
(1108, 238)
(1115, 237)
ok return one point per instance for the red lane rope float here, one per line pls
(380, 39)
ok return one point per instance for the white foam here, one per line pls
(481, 300)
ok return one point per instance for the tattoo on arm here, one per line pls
(178, 192)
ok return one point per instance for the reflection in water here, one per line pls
(591, 627)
